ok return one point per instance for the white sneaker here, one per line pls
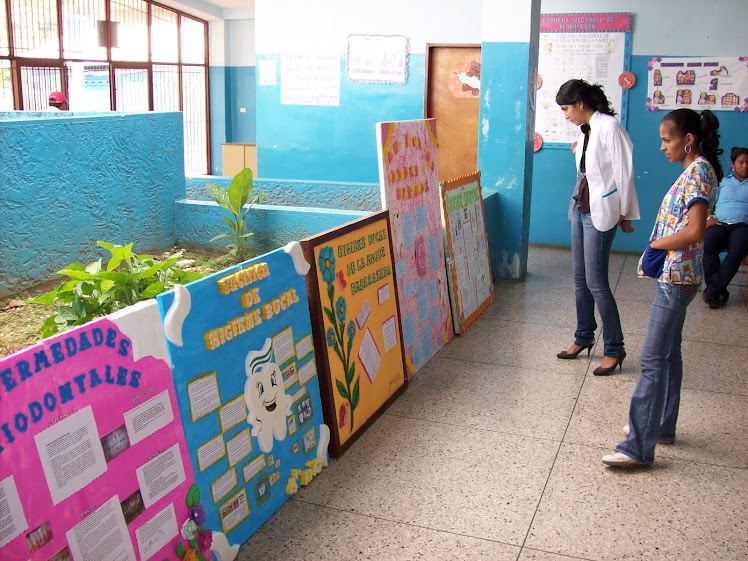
(617, 459)
(659, 440)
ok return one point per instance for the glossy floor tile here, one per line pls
(493, 451)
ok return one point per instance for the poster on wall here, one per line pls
(310, 79)
(93, 458)
(354, 306)
(466, 245)
(714, 83)
(377, 59)
(593, 47)
(409, 184)
(246, 379)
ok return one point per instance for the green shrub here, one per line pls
(233, 199)
(97, 290)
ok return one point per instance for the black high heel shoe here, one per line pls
(568, 355)
(600, 371)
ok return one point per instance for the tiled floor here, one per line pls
(493, 452)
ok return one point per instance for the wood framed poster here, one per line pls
(355, 313)
(466, 246)
(409, 184)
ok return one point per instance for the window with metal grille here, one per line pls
(121, 55)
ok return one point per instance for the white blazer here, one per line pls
(610, 172)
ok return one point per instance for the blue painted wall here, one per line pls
(333, 143)
(231, 88)
(504, 159)
(554, 173)
(69, 180)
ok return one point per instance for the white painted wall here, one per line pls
(673, 28)
(324, 25)
(241, 42)
(507, 22)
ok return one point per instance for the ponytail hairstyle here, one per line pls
(704, 127)
(590, 94)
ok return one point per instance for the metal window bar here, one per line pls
(35, 28)
(36, 83)
(195, 120)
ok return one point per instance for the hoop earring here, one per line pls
(688, 148)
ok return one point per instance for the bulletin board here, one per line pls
(356, 318)
(93, 458)
(592, 47)
(409, 185)
(466, 245)
(244, 368)
(714, 83)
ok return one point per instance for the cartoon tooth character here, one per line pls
(266, 398)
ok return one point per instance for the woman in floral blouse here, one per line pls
(674, 257)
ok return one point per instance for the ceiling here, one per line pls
(215, 9)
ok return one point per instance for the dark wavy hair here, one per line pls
(737, 151)
(704, 127)
(591, 94)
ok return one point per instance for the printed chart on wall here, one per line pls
(593, 47)
(354, 305)
(715, 83)
(93, 458)
(468, 266)
(409, 183)
(244, 369)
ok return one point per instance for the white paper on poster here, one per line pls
(307, 372)
(310, 79)
(223, 485)
(102, 535)
(363, 314)
(389, 333)
(203, 396)
(369, 356)
(161, 475)
(210, 452)
(12, 519)
(268, 71)
(383, 294)
(145, 419)
(71, 454)
(598, 58)
(233, 413)
(239, 447)
(304, 346)
(157, 532)
(283, 347)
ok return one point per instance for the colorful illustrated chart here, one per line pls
(714, 83)
(245, 373)
(593, 47)
(468, 265)
(354, 305)
(409, 182)
(93, 458)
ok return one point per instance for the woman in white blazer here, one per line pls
(603, 199)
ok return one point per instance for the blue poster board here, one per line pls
(240, 342)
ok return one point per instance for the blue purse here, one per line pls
(652, 261)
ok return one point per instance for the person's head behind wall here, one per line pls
(58, 101)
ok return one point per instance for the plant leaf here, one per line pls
(230, 222)
(341, 390)
(180, 550)
(222, 236)
(151, 290)
(349, 373)
(355, 394)
(329, 315)
(239, 190)
(193, 495)
(219, 194)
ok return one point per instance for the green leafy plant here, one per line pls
(96, 289)
(233, 199)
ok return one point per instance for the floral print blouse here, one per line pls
(698, 182)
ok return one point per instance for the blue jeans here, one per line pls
(654, 406)
(590, 252)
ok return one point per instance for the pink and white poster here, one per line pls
(409, 183)
(93, 459)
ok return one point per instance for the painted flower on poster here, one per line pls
(336, 337)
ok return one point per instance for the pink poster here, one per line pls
(409, 182)
(93, 459)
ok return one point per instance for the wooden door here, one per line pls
(453, 98)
